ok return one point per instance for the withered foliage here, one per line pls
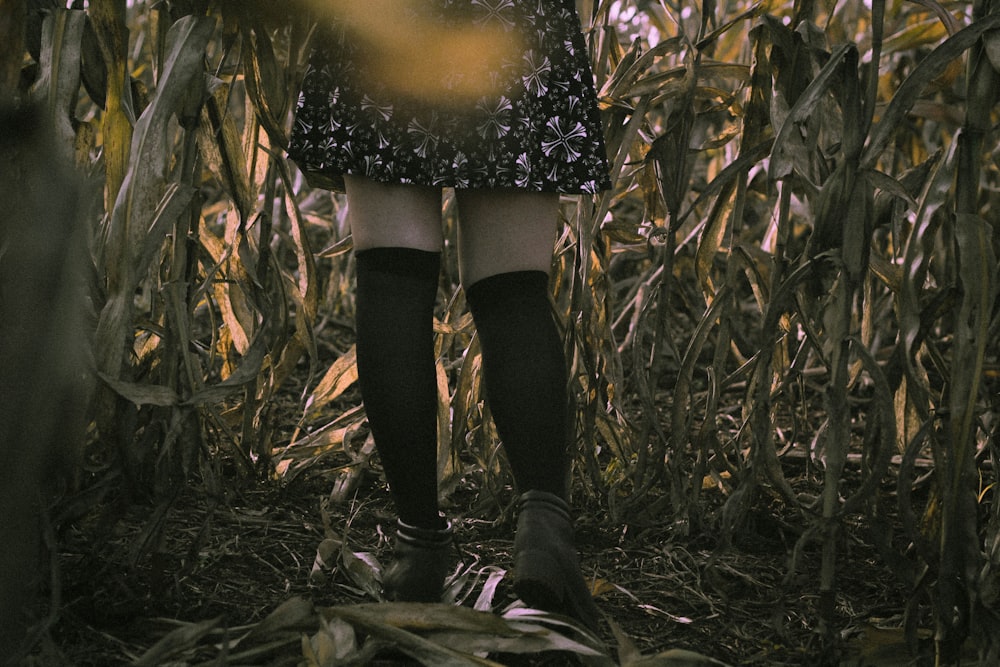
(797, 264)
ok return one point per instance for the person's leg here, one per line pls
(396, 231)
(505, 231)
(393, 216)
(505, 243)
(505, 249)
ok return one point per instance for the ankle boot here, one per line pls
(546, 565)
(420, 564)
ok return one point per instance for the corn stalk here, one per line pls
(976, 279)
(796, 229)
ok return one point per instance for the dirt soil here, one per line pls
(235, 557)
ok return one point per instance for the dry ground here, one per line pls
(227, 552)
(236, 557)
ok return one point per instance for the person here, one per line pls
(509, 141)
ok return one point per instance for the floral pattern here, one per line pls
(539, 129)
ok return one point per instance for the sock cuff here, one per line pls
(400, 261)
(501, 285)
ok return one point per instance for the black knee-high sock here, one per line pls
(396, 290)
(525, 375)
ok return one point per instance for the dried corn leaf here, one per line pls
(783, 155)
(420, 616)
(295, 614)
(910, 89)
(143, 188)
(222, 148)
(142, 394)
(58, 82)
(266, 84)
(675, 657)
(178, 641)
(337, 379)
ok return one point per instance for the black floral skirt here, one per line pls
(536, 128)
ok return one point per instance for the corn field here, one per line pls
(796, 270)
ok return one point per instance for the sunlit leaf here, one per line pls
(109, 21)
(266, 84)
(326, 556)
(485, 600)
(363, 569)
(335, 642)
(915, 35)
(338, 378)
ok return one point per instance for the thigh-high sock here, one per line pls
(396, 291)
(525, 374)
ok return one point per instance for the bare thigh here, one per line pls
(501, 231)
(386, 215)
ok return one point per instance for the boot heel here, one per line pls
(538, 579)
(546, 566)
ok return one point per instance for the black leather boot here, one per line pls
(420, 564)
(546, 565)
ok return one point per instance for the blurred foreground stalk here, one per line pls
(960, 586)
